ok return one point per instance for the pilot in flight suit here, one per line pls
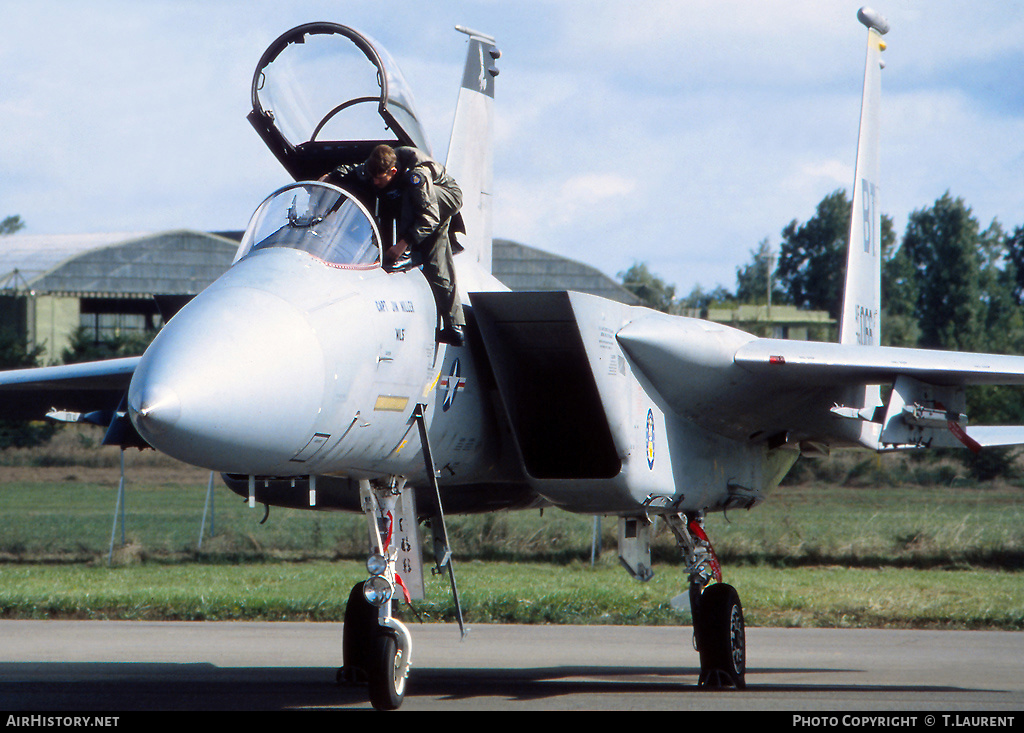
(418, 194)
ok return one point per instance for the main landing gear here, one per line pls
(718, 628)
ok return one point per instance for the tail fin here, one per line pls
(860, 318)
(470, 158)
(862, 297)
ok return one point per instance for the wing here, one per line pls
(30, 394)
(927, 405)
(812, 394)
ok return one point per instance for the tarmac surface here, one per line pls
(123, 666)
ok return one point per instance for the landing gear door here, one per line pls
(324, 95)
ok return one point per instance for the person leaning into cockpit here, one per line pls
(416, 192)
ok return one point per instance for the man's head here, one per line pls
(382, 165)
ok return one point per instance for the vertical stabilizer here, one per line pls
(470, 157)
(860, 318)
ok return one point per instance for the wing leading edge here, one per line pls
(29, 394)
(812, 363)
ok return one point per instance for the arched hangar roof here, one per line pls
(179, 262)
(184, 262)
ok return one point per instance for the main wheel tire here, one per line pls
(385, 674)
(721, 638)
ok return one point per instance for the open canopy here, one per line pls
(324, 94)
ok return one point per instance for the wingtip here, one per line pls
(873, 19)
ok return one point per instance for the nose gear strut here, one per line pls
(376, 646)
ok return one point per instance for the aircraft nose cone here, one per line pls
(234, 382)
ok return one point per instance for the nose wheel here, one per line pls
(374, 655)
(387, 671)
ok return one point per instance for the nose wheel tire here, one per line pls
(721, 638)
(372, 655)
(385, 673)
(360, 625)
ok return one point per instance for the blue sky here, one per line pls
(676, 133)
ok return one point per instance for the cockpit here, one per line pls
(318, 219)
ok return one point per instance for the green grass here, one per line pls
(923, 527)
(497, 592)
(73, 521)
(834, 554)
(918, 527)
(179, 591)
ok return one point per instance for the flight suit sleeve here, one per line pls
(346, 174)
(420, 209)
(354, 179)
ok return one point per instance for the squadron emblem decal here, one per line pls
(451, 385)
(650, 439)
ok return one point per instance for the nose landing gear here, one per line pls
(377, 647)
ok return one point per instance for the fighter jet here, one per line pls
(310, 377)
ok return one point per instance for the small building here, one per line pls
(775, 321)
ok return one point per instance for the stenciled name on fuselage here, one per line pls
(405, 306)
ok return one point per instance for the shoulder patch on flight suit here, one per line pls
(415, 178)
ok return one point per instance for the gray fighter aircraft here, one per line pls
(310, 377)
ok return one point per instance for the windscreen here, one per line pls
(318, 219)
